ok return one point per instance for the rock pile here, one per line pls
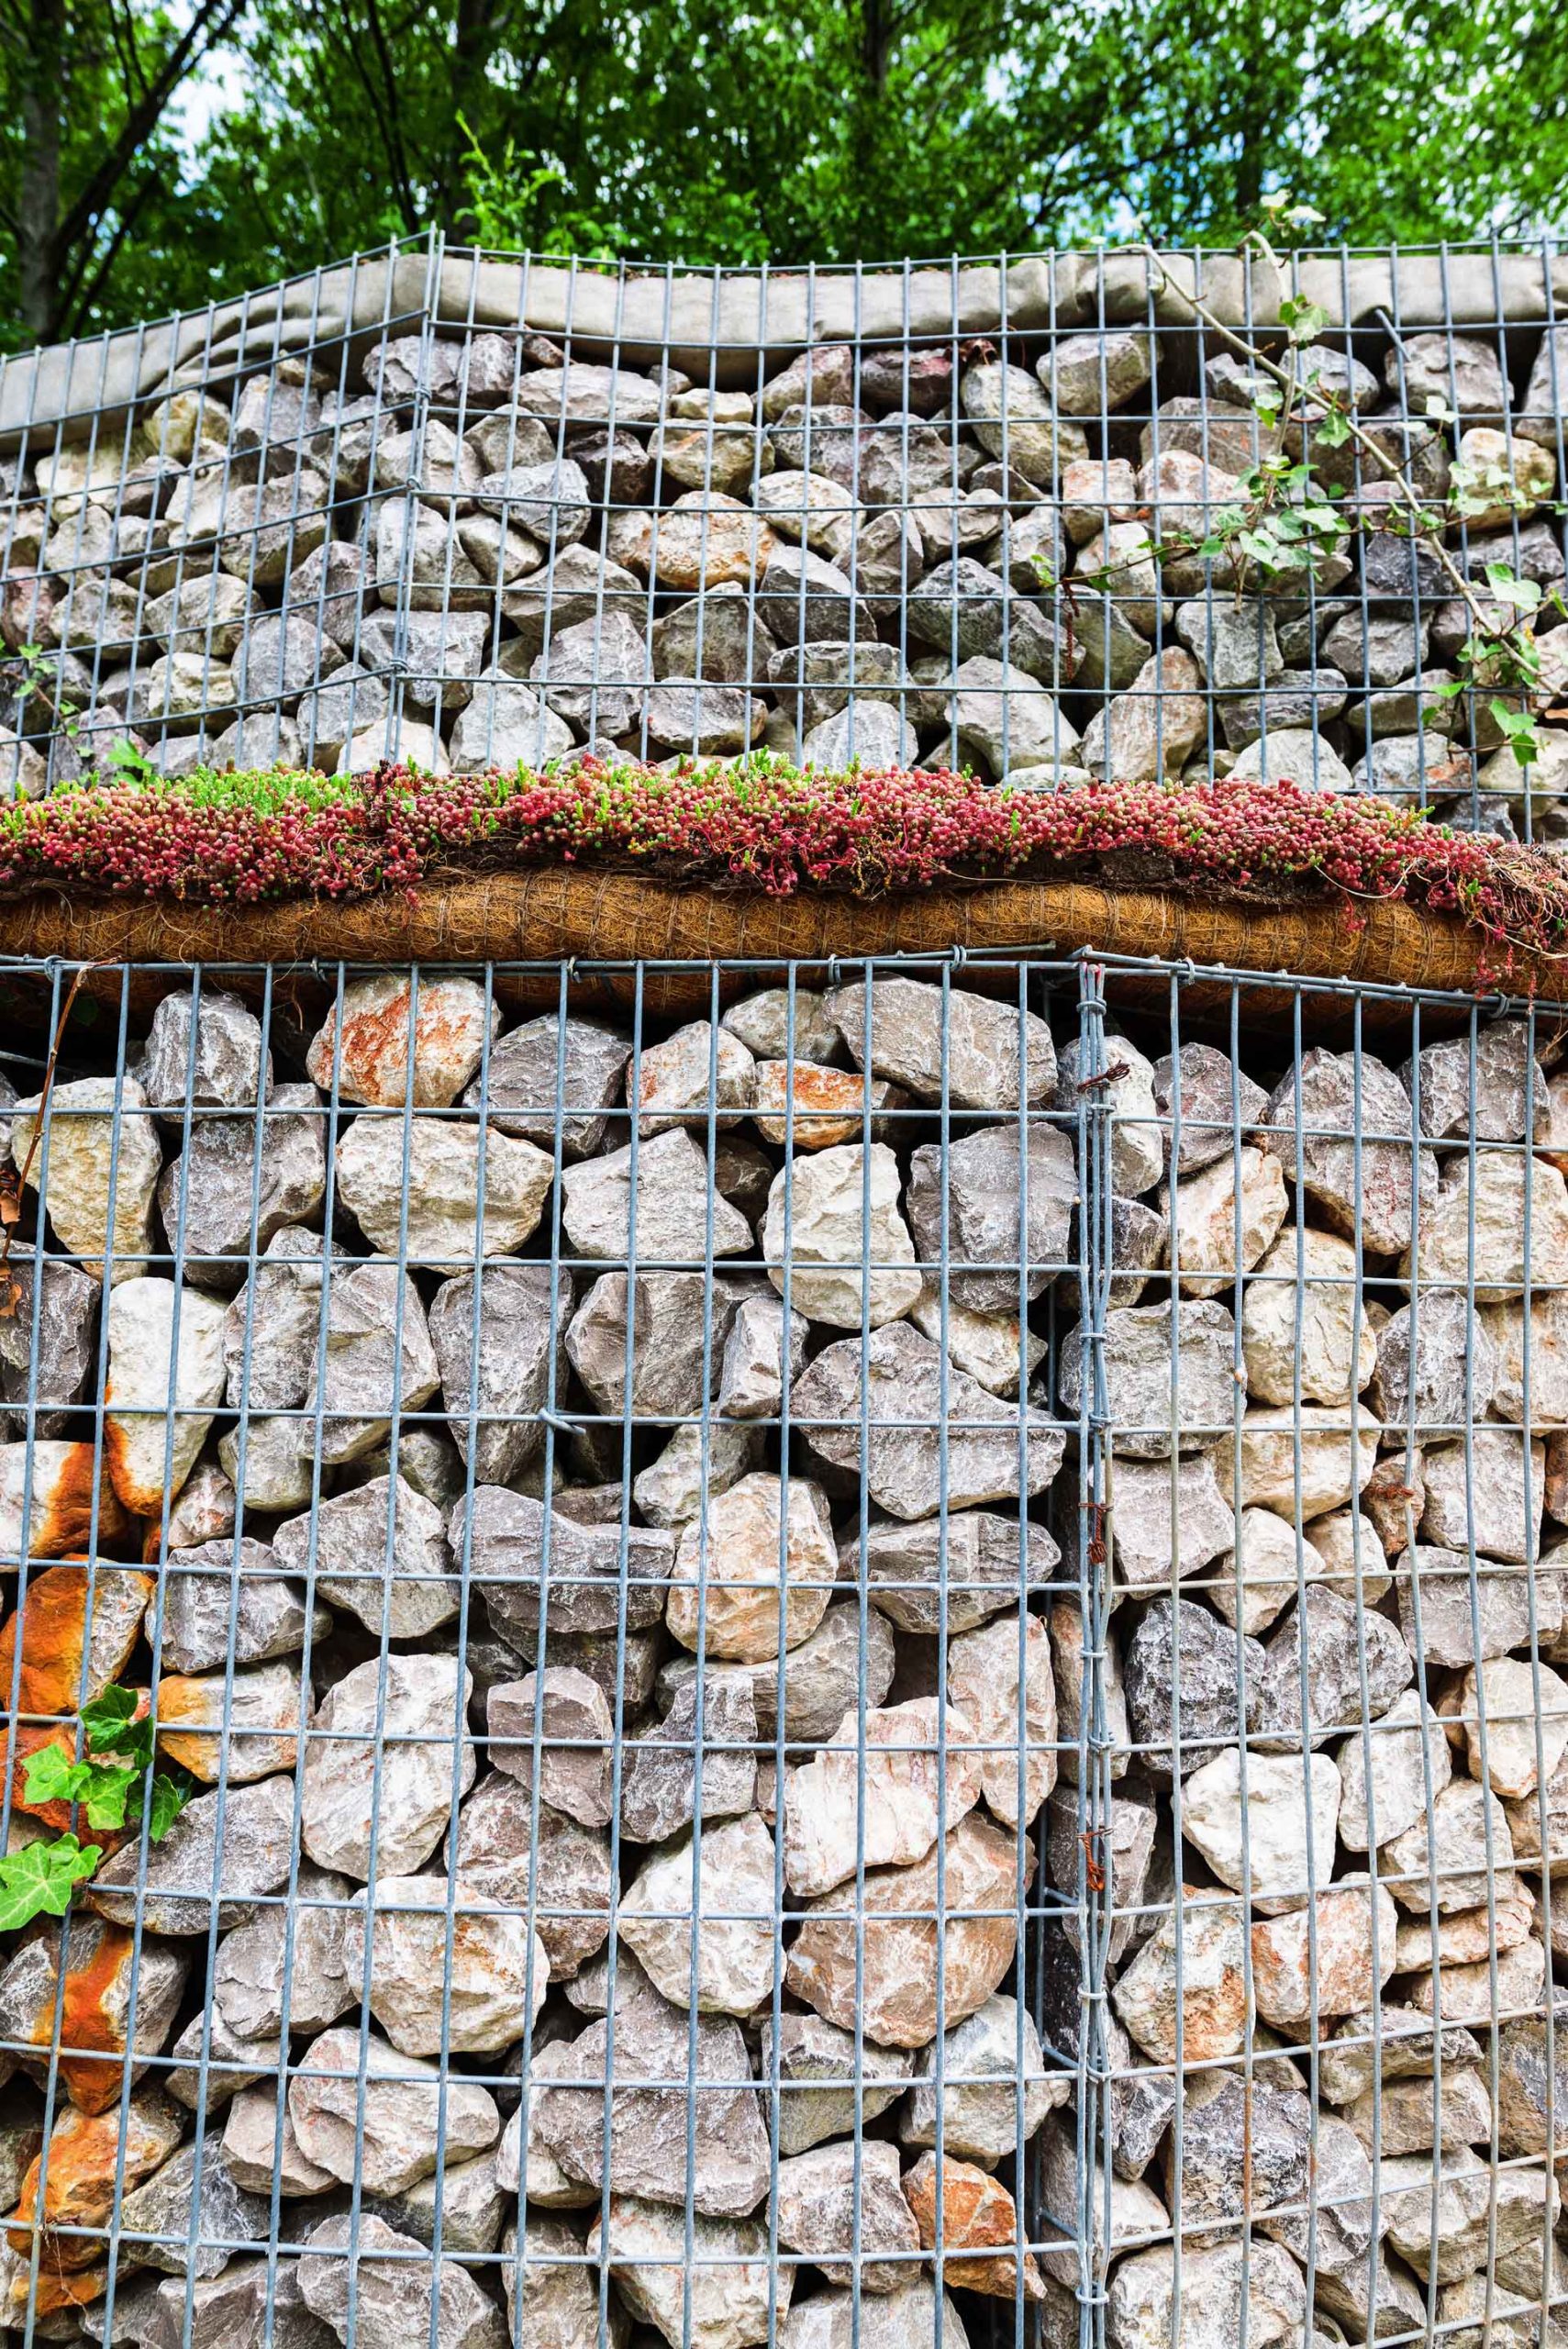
(668, 1844)
(478, 550)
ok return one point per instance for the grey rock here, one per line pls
(986, 1043)
(1229, 2293)
(817, 2070)
(848, 2199)
(390, 2142)
(194, 2214)
(574, 1730)
(1455, 1612)
(469, 2197)
(382, 2303)
(1454, 1357)
(985, 2058)
(226, 1069)
(448, 1970)
(1140, 1343)
(1216, 1103)
(572, 589)
(650, 2044)
(717, 638)
(659, 1771)
(803, 599)
(905, 1383)
(493, 1392)
(206, 1194)
(206, 2076)
(1236, 647)
(377, 1356)
(48, 1348)
(443, 650)
(1364, 1185)
(1127, 1857)
(505, 725)
(672, 1178)
(964, 610)
(1141, 1520)
(670, 1491)
(380, 1555)
(671, 1365)
(822, 1676)
(1392, 1772)
(977, 1180)
(1249, 2151)
(757, 1362)
(593, 675)
(1181, 1672)
(1348, 1657)
(905, 2319)
(558, 1865)
(963, 1571)
(288, 1964)
(350, 1799)
(504, 1538)
(227, 1872)
(529, 1062)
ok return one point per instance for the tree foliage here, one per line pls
(787, 132)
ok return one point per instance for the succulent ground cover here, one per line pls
(241, 837)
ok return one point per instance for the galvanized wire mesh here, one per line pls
(475, 509)
(1148, 1601)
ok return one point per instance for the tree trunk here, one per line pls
(38, 208)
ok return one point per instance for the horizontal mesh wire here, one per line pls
(867, 1495)
(900, 515)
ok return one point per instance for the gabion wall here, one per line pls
(380, 511)
(823, 1708)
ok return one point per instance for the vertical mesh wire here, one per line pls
(1147, 1599)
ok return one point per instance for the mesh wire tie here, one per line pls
(554, 1420)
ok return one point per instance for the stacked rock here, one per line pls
(778, 1738)
(469, 551)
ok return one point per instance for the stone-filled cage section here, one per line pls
(858, 1654)
(466, 509)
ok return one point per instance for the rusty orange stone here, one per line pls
(79, 2176)
(60, 1525)
(95, 2013)
(59, 2288)
(54, 1622)
(830, 1103)
(978, 2217)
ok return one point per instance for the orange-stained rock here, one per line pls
(58, 2288)
(58, 1500)
(95, 2012)
(80, 2169)
(54, 1620)
(977, 2214)
(830, 1103)
(246, 1728)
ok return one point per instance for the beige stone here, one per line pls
(910, 1792)
(1302, 1321)
(842, 1209)
(725, 1596)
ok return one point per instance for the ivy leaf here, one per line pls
(108, 1795)
(39, 1879)
(111, 1725)
(1333, 430)
(170, 1795)
(1518, 727)
(1524, 593)
(51, 1775)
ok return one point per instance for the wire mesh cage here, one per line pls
(470, 510)
(884, 1667)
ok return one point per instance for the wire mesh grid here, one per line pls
(936, 514)
(764, 1593)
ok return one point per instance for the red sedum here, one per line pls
(237, 838)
